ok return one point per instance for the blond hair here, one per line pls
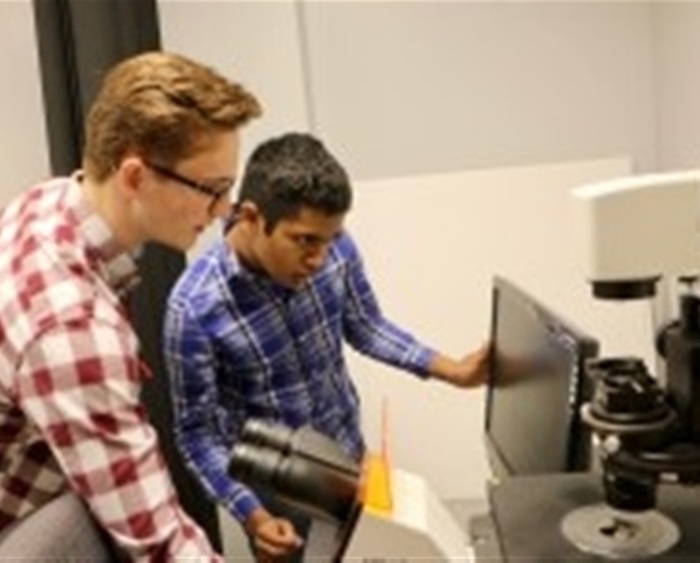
(159, 106)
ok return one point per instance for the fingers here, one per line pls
(276, 539)
(473, 368)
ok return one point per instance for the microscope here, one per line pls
(366, 510)
(645, 243)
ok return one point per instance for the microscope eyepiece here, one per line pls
(303, 467)
(250, 463)
(267, 434)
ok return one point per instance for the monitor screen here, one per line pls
(536, 386)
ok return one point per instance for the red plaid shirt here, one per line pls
(70, 377)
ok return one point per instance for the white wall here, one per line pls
(676, 32)
(405, 88)
(23, 145)
(400, 88)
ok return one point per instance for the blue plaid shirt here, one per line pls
(239, 346)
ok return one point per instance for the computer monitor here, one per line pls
(536, 386)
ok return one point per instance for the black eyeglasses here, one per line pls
(215, 193)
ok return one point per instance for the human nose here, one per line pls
(315, 259)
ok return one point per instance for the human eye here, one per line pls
(220, 186)
(303, 240)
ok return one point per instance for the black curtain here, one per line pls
(78, 40)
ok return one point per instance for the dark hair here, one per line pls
(160, 105)
(290, 172)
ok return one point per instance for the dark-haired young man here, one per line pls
(255, 328)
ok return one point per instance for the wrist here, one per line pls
(442, 367)
(256, 519)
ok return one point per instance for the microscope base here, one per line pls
(610, 533)
(528, 511)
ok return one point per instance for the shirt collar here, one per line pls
(116, 264)
(236, 271)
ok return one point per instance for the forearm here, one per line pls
(368, 331)
(209, 460)
(158, 530)
(382, 340)
(132, 496)
(88, 412)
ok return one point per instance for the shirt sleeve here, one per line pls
(365, 327)
(79, 383)
(204, 439)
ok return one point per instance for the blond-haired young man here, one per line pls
(161, 151)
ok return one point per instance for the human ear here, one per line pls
(130, 176)
(249, 212)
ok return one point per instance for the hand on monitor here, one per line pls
(469, 371)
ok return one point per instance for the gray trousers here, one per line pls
(60, 531)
